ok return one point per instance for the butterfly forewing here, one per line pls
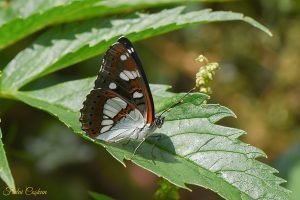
(122, 72)
(121, 89)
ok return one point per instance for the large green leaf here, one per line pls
(192, 150)
(5, 173)
(20, 18)
(65, 45)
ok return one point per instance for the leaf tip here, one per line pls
(258, 25)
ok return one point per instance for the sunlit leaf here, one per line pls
(21, 18)
(65, 45)
(192, 149)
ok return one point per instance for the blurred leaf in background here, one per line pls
(98, 196)
(5, 173)
(259, 81)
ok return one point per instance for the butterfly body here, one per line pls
(120, 106)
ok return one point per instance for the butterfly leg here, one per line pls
(135, 150)
(131, 146)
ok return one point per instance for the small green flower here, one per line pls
(205, 74)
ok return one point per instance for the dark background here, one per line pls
(259, 81)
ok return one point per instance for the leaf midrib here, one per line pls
(37, 99)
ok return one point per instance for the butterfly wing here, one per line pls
(121, 101)
(122, 68)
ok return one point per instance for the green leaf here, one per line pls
(21, 18)
(192, 150)
(98, 196)
(68, 44)
(294, 181)
(5, 173)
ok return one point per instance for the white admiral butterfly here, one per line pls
(120, 106)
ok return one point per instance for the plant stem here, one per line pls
(7, 94)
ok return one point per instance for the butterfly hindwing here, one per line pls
(102, 110)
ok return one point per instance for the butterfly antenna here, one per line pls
(178, 102)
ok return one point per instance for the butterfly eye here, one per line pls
(160, 121)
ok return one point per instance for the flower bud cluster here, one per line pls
(205, 74)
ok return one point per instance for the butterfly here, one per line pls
(120, 106)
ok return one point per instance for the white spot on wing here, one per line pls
(112, 86)
(134, 74)
(107, 122)
(132, 115)
(123, 76)
(123, 57)
(128, 74)
(120, 102)
(111, 108)
(109, 113)
(105, 128)
(138, 73)
(137, 95)
(114, 104)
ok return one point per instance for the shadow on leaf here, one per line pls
(157, 147)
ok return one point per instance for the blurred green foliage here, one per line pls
(258, 81)
(166, 190)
